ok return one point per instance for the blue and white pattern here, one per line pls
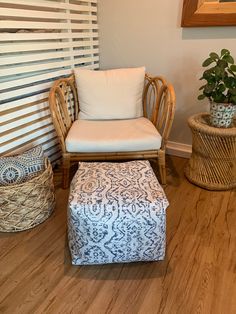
(116, 214)
(222, 114)
(21, 168)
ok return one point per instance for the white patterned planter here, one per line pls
(116, 214)
(221, 115)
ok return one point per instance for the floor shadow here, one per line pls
(172, 174)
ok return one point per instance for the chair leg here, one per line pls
(162, 166)
(65, 172)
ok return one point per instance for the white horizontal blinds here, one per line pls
(40, 41)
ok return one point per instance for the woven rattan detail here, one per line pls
(213, 161)
(26, 205)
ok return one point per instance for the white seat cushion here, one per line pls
(112, 136)
(111, 94)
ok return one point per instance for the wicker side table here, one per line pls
(213, 161)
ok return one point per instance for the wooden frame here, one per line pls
(158, 107)
(208, 13)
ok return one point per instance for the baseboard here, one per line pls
(179, 149)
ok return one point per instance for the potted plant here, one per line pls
(220, 88)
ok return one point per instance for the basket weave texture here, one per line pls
(26, 205)
(213, 161)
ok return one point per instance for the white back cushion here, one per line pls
(111, 94)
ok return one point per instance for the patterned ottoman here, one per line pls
(116, 214)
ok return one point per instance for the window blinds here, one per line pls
(40, 41)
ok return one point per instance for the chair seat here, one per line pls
(91, 136)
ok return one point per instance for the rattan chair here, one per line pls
(158, 107)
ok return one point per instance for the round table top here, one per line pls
(201, 123)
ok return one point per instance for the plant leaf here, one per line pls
(218, 97)
(228, 58)
(233, 68)
(221, 88)
(209, 88)
(233, 91)
(222, 63)
(202, 87)
(231, 72)
(209, 75)
(206, 75)
(233, 99)
(207, 62)
(230, 82)
(224, 52)
(214, 56)
(201, 97)
(218, 71)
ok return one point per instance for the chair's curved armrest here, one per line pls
(63, 103)
(159, 105)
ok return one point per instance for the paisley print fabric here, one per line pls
(116, 214)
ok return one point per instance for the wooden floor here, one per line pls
(197, 276)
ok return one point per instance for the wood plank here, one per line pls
(9, 24)
(45, 56)
(215, 8)
(36, 140)
(25, 91)
(33, 68)
(12, 48)
(45, 36)
(36, 78)
(43, 127)
(7, 12)
(62, 64)
(9, 115)
(55, 4)
(20, 122)
(21, 131)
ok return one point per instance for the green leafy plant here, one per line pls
(220, 77)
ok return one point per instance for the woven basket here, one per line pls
(26, 205)
(213, 161)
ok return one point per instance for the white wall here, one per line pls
(148, 32)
